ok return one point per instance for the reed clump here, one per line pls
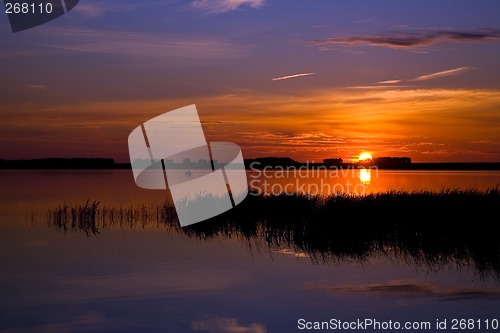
(433, 228)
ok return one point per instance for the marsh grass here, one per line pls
(428, 228)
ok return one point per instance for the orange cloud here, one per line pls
(436, 75)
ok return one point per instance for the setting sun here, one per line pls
(364, 157)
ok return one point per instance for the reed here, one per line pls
(431, 228)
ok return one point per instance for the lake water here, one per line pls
(364, 181)
(154, 278)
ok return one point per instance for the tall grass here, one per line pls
(456, 226)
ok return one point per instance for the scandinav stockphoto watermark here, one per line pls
(310, 179)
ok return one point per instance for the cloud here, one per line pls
(369, 20)
(292, 76)
(222, 6)
(337, 123)
(90, 10)
(441, 74)
(379, 85)
(139, 44)
(226, 325)
(389, 82)
(404, 40)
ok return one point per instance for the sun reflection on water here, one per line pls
(365, 176)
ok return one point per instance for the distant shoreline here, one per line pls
(110, 164)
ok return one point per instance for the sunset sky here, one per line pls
(297, 78)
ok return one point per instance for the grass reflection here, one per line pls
(425, 228)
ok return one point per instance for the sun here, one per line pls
(365, 157)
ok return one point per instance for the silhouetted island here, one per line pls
(389, 163)
(62, 164)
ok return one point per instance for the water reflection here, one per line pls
(408, 257)
(424, 229)
(222, 324)
(409, 288)
(368, 180)
(365, 176)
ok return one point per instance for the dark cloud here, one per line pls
(411, 39)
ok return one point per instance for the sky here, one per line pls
(297, 78)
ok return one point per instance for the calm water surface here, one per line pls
(363, 181)
(152, 279)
